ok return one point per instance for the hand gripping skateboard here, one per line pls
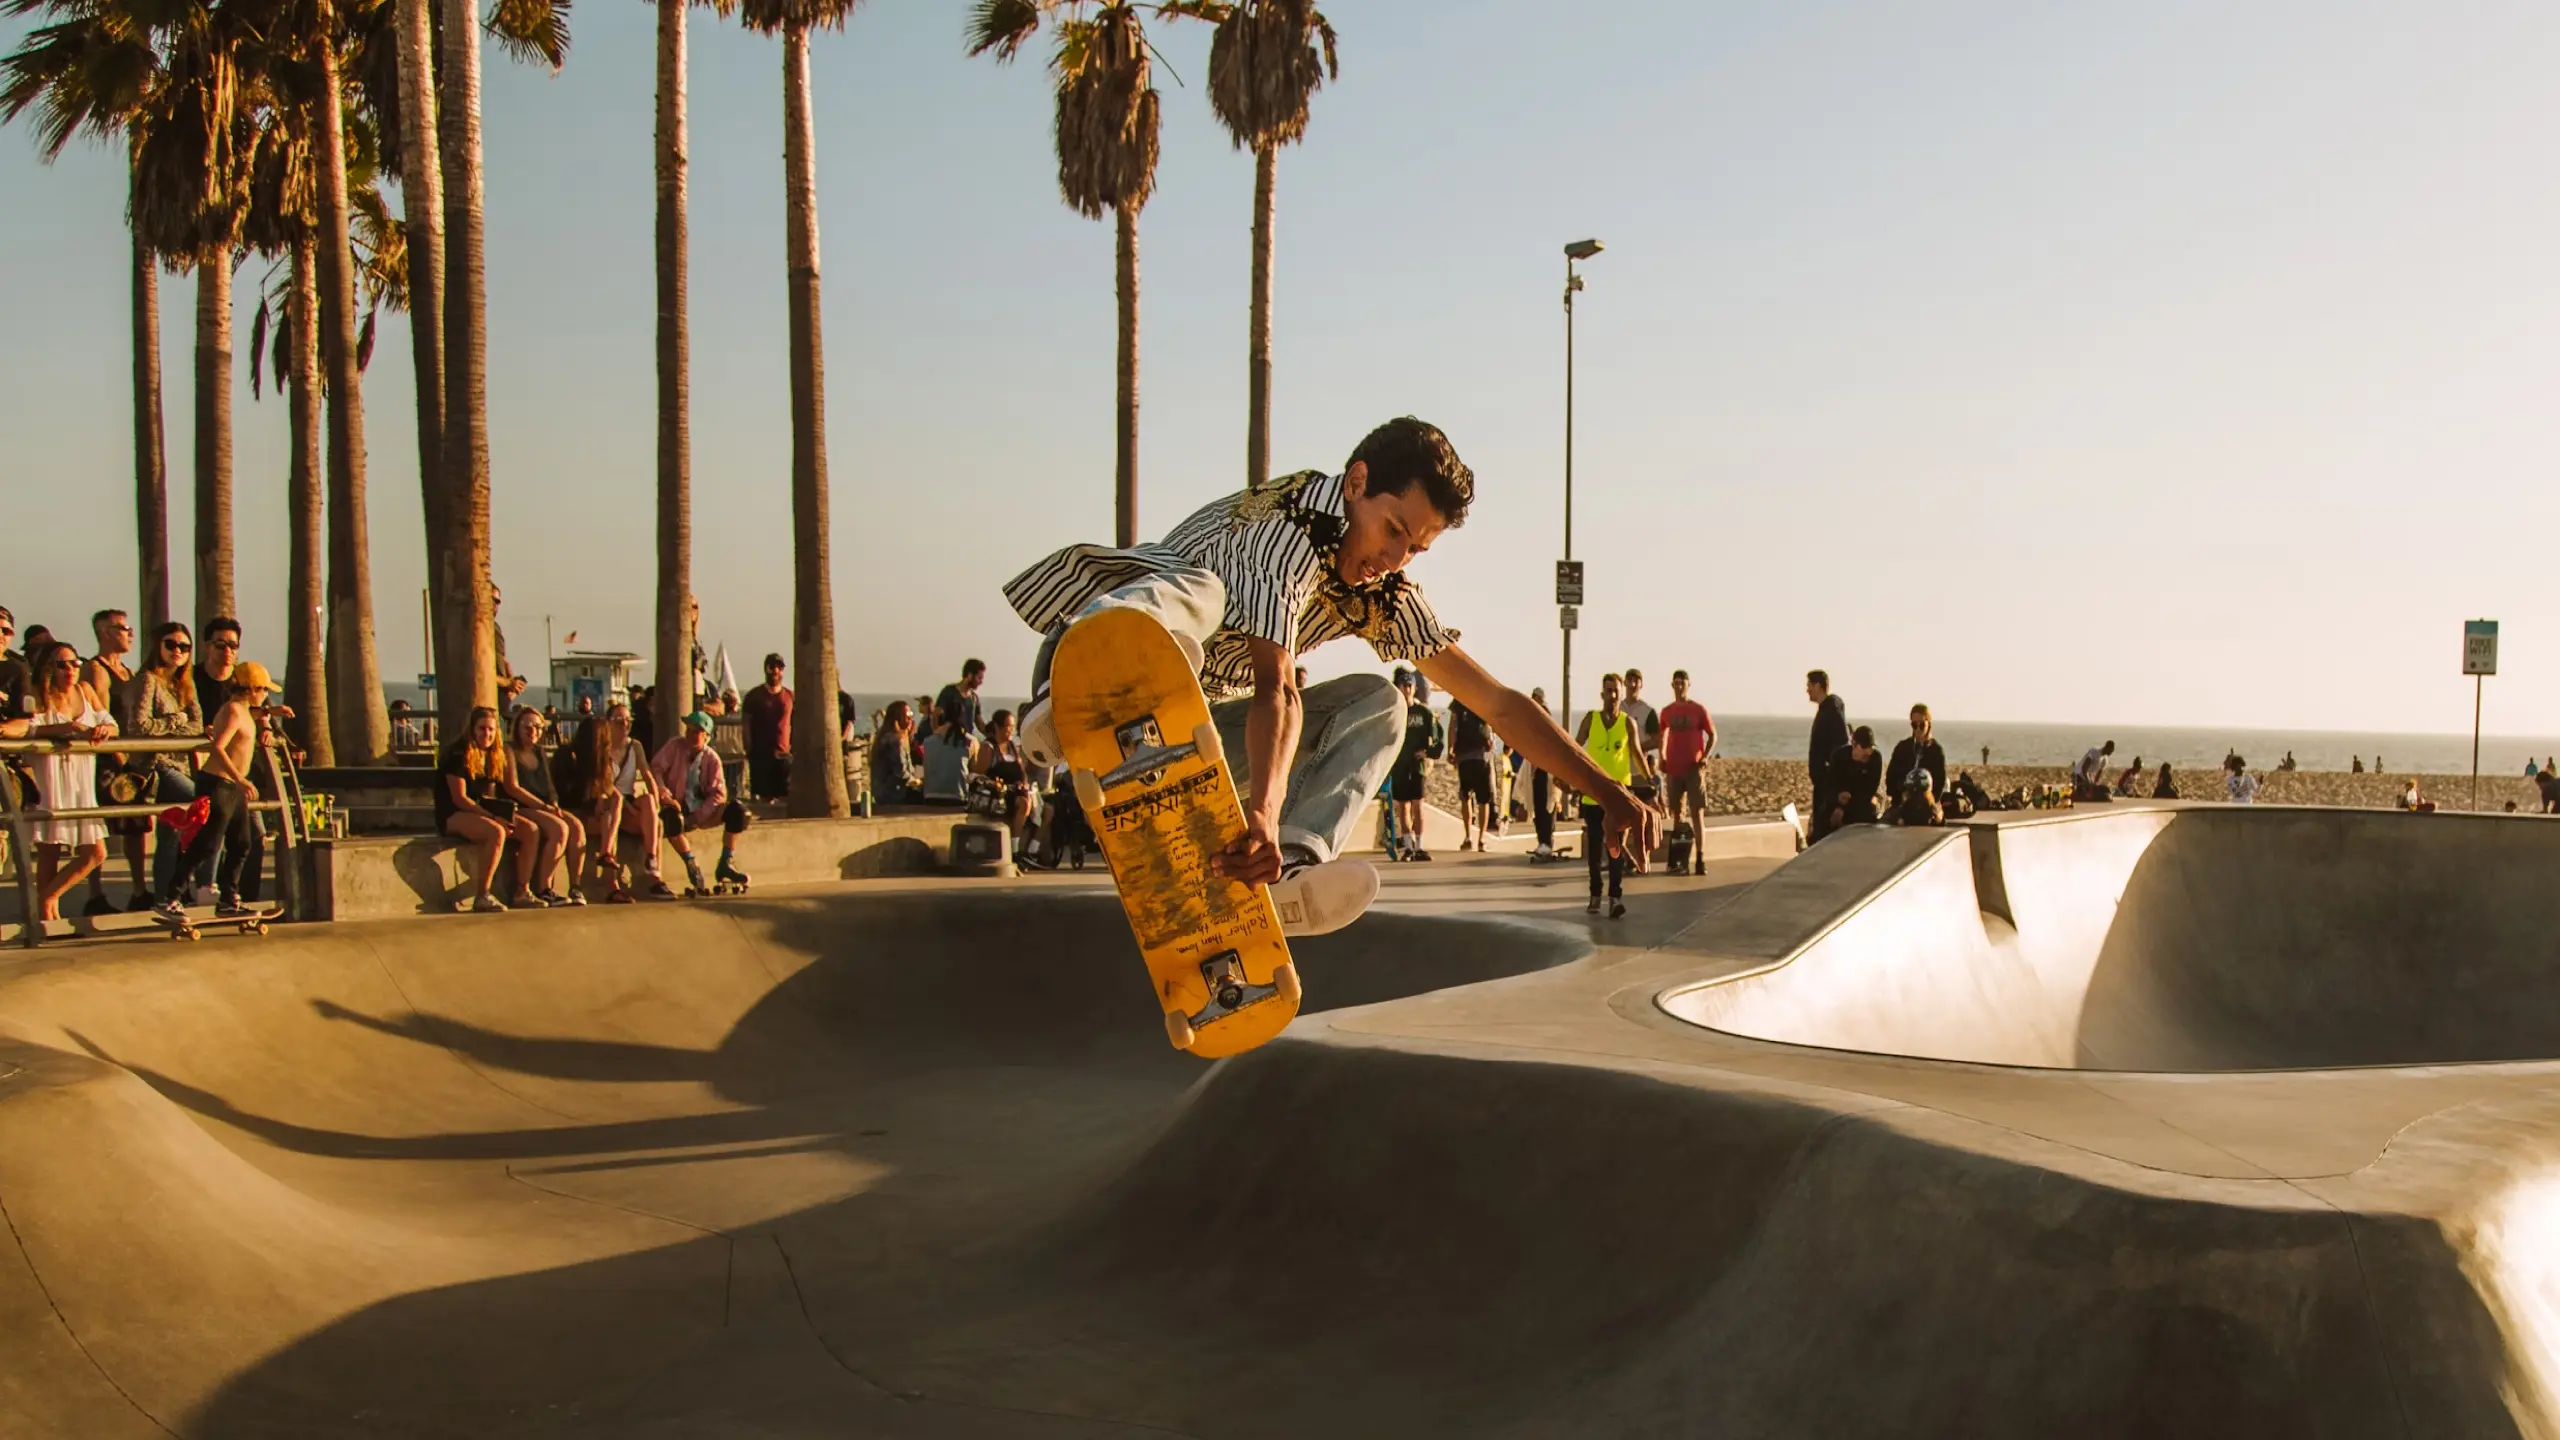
(1155, 785)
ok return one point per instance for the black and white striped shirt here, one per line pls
(1273, 549)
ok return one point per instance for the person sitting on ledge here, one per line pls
(476, 803)
(895, 776)
(1850, 781)
(2167, 786)
(697, 798)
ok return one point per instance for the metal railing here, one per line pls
(21, 819)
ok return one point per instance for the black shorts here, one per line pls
(769, 776)
(1405, 783)
(1475, 780)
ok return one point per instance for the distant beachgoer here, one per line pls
(2287, 763)
(2128, 783)
(2377, 764)
(1688, 738)
(2532, 767)
(2548, 782)
(1408, 778)
(1850, 782)
(2241, 786)
(2413, 802)
(1542, 796)
(1648, 721)
(2358, 768)
(1471, 745)
(1830, 733)
(2166, 788)
(1609, 736)
(1986, 757)
(2089, 777)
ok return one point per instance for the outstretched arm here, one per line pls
(1633, 826)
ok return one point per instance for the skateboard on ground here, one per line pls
(1157, 791)
(188, 927)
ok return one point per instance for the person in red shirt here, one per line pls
(768, 711)
(1688, 738)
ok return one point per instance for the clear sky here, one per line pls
(2180, 363)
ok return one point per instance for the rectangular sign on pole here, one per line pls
(1568, 617)
(1568, 583)
(2479, 647)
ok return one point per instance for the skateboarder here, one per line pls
(224, 781)
(1251, 582)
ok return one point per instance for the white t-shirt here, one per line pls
(2093, 766)
(2243, 788)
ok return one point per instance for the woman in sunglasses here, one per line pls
(66, 850)
(161, 703)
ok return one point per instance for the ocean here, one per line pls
(1782, 737)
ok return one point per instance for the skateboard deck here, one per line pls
(1161, 799)
(191, 928)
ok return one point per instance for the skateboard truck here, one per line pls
(1229, 991)
(1145, 753)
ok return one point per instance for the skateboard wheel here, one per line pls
(1088, 792)
(1177, 1029)
(1204, 738)
(1286, 979)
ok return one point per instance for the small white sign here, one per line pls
(2479, 647)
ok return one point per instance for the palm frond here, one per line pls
(1267, 59)
(773, 17)
(283, 362)
(89, 74)
(381, 244)
(1003, 26)
(532, 31)
(1108, 122)
(257, 346)
(364, 340)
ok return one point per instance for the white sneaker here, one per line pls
(1321, 899)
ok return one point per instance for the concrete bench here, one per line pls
(365, 877)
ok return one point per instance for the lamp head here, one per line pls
(1582, 249)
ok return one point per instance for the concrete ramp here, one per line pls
(2184, 939)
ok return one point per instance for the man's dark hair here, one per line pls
(1406, 452)
(972, 666)
(772, 660)
(220, 623)
(1818, 677)
(1863, 737)
(103, 616)
(1679, 674)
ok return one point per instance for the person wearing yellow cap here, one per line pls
(224, 784)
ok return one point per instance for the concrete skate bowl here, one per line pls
(2191, 940)
(766, 1167)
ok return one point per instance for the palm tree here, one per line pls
(93, 71)
(675, 360)
(282, 220)
(816, 788)
(1266, 60)
(406, 91)
(190, 195)
(1106, 135)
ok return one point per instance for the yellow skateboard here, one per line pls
(1156, 789)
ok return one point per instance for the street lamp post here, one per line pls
(1579, 250)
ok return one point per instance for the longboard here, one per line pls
(1161, 799)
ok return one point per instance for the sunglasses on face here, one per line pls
(179, 646)
(222, 644)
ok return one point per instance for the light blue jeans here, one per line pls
(1352, 727)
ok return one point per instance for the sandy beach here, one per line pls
(1759, 787)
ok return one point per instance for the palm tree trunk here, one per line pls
(361, 726)
(817, 777)
(306, 688)
(675, 424)
(213, 437)
(422, 213)
(466, 645)
(1125, 492)
(1257, 386)
(150, 451)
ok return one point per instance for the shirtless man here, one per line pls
(224, 782)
